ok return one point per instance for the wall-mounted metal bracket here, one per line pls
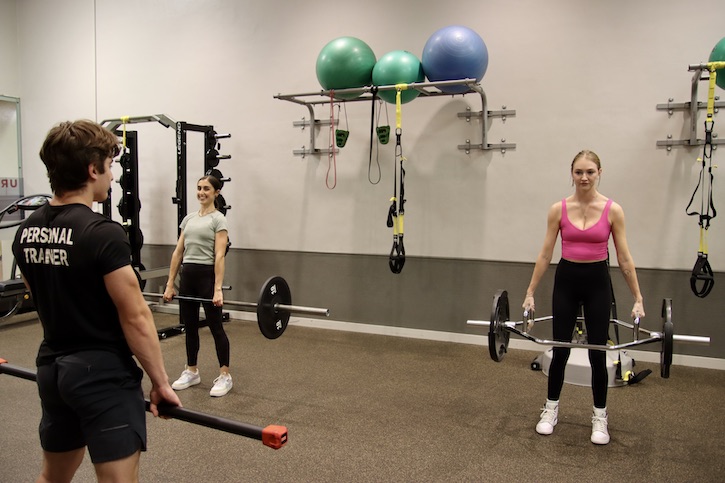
(313, 123)
(504, 113)
(317, 123)
(313, 152)
(669, 143)
(366, 94)
(503, 146)
(701, 73)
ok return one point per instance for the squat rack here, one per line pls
(424, 88)
(211, 157)
(181, 129)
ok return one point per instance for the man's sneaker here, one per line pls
(222, 385)
(600, 433)
(188, 378)
(549, 417)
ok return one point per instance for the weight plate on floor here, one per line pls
(272, 321)
(498, 335)
(668, 332)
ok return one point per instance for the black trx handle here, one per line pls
(392, 214)
(702, 272)
(397, 256)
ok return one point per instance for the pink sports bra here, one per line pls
(585, 245)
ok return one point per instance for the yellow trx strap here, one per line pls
(711, 94)
(702, 272)
(396, 213)
(124, 120)
(398, 111)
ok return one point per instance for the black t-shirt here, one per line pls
(63, 253)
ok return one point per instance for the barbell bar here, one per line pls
(273, 436)
(274, 306)
(501, 328)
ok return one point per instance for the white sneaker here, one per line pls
(549, 417)
(600, 433)
(188, 378)
(222, 385)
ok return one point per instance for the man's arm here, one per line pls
(138, 326)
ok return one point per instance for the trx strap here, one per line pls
(396, 213)
(332, 159)
(124, 120)
(702, 272)
(372, 134)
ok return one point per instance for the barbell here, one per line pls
(273, 436)
(500, 329)
(274, 306)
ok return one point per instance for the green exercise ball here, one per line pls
(398, 67)
(345, 63)
(718, 55)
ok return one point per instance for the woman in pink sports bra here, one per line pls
(585, 220)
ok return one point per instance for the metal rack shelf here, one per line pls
(426, 90)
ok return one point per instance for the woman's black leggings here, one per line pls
(198, 281)
(587, 284)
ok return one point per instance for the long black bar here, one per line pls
(272, 436)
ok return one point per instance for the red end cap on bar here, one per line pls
(274, 436)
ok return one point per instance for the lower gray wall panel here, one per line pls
(442, 294)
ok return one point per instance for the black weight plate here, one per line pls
(217, 174)
(222, 205)
(211, 158)
(135, 237)
(498, 335)
(668, 332)
(273, 322)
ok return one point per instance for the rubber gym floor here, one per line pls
(371, 408)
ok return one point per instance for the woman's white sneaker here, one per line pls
(222, 385)
(600, 432)
(549, 417)
(188, 378)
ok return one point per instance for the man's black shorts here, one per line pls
(94, 399)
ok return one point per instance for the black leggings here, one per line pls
(198, 281)
(587, 284)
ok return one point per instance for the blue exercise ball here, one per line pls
(452, 53)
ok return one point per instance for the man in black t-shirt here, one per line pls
(77, 266)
